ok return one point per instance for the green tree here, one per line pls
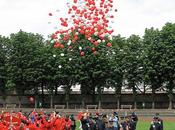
(168, 60)
(93, 70)
(118, 66)
(65, 71)
(24, 62)
(58, 68)
(153, 53)
(89, 70)
(133, 64)
(3, 68)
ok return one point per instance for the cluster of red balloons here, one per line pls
(90, 18)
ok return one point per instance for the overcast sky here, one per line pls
(133, 16)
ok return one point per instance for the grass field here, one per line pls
(144, 125)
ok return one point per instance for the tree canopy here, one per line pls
(28, 63)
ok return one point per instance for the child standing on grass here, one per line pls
(134, 120)
(155, 124)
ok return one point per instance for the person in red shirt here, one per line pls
(66, 124)
(43, 124)
(3, 126)
(31, 126)
(58, 123)
(20, 127)
(80, 115)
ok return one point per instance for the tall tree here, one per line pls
(92, 69)
(152, 60)
(168, 60)
(3, 68)
(133, 64)
(23, 61)
(118, 66)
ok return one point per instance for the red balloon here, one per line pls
(70, 9)
(89, 20)
(74, 7)
(54, 36)
(82, 53)
(78, 11)
(110, 32)
(57, 32)
(64, 24)
(112, 16)
(75, 1)
(109, 44)
(96, 43)
(95, 52)
(61, 46)
(50, 14)
(57, 45)
(70, 47)
(93, 48)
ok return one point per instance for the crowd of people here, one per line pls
(86, 121)
(36, 121)
(108, 122)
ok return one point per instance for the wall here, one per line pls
(108, 100)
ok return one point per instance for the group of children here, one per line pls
(36, 121)
(86, 121)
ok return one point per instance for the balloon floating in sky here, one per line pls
(50, 14)
(87, 18)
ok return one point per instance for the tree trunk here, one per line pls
(4, 97)
(170, 105)
(82, 101)
(67, 104)
(19, 101)
(42, 87)
(36, 97)
(51, 99)
(134, 95)
(144, 88)
(83, 94)
(118, 103)
(36, 101)
(93, 96)
(153, 98)
(67, 100)
(67, 95)
(99, 97)
(99, 104)
(153, 104)
(170, 93)
(170, 96)
(135, 105)
(118, 90)
(56, 90)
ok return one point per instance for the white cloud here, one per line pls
(133, 16)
